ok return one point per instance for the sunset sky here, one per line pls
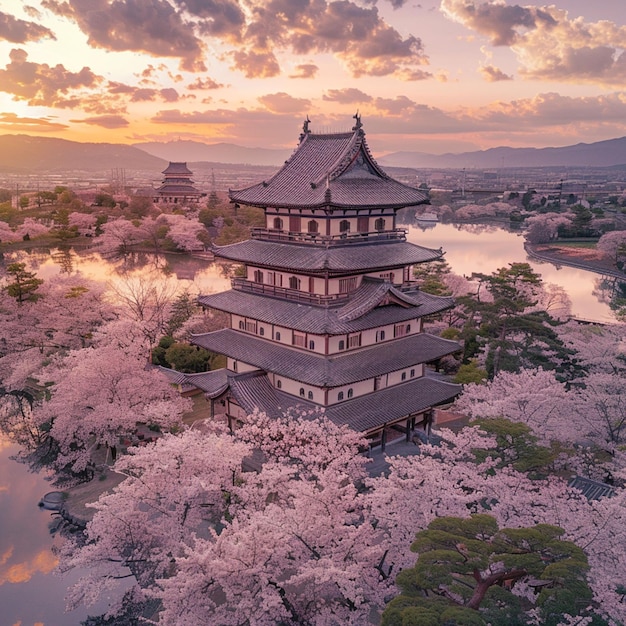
(431, 75)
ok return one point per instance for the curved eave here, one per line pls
(320, 320)
(327, 371)
(334, 259)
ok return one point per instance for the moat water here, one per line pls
(29, 593)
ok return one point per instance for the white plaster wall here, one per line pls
(293, 387)
(285, 335)
(395, 378)
(360, 388)
(240, 366)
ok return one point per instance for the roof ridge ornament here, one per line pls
(358, 125)
(305, 128)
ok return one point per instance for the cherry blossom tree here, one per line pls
(598, 347)
(183, 231)
(291, 543)
(146, 300)
(544, 227)
(448, 479)
(118, 237)
(613, 244)
(7, 234)
(99, 396)
(492, 209)
(174, 489)
(31, 229)
(84, 223)
(534, 397)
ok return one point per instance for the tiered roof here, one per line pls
(363, 414)
(177, 168)
(330, 170)
(177, 181)
(341, 258)
(360, 312)
(325, 371)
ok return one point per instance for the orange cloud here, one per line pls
(40, 84)
(10, 122)
(105, 121)
(42, 563)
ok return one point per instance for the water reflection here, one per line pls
(484, 248)
(194, 274)
(29, 594)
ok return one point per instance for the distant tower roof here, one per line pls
(177, 167)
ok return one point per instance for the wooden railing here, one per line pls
(282, 292)
(397, 234)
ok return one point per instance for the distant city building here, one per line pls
(177, 186)
(327, 314)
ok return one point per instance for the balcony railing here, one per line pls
(282, 292)
(396, 234)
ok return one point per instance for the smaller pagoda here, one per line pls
(177, 186)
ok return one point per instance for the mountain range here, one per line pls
(606, 153)
(26, 154)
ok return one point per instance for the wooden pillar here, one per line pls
(383, 440)
(428, 421)
(408, 429)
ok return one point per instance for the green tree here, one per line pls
(140, 206)
(430, 277)
(104, 200)
(46, 197)
(507, 329)
(182, 309)
(581, 224)
(188, 359)
(470, 373)
(158, 353)
(5, 195)
(25, 283)
(467, 570)
(24, 202)
(516, 446)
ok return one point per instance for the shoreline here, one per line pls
(560, 255)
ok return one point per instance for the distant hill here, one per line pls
(193, 151)
(599, 154)
(26, 154)
(22, 153)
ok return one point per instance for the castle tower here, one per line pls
(328, 314)
(177, 186)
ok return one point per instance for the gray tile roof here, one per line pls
(177, 167)
(308, 258)
(363, 414)
(330, 170)
(178, 188)
(592, 489)
(369, 295)
(323, 320)
(321, 371)
(213, 383)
